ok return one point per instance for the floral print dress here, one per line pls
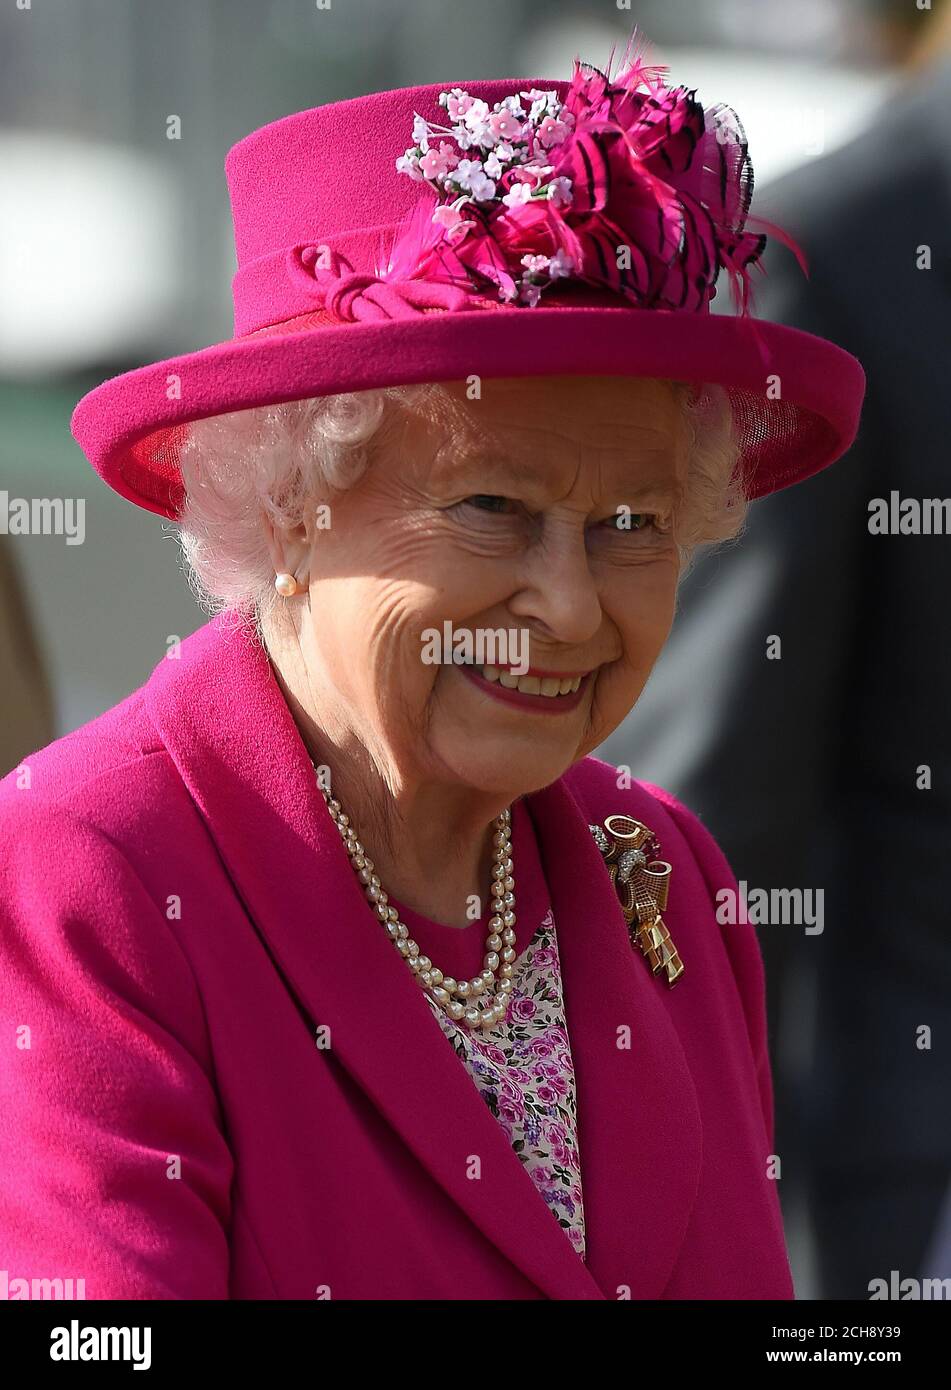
(523, 1066)
(524, 1071)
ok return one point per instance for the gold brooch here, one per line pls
(641, 881)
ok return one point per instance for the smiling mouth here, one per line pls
(544, 692)
(549, 686)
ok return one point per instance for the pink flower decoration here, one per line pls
(458, 103)
(436, 164)
(627, 185)
(518, 195)
(552, 132)
(503, 126)
(449, 217)
(559, 192)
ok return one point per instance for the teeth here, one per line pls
(532, 685)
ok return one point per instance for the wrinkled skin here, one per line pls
(493, 513)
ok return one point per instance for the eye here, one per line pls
(487, 502)
(626, 520)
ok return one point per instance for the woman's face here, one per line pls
(541, 511)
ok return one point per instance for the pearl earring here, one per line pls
(286, 585)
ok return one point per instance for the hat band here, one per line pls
(286, 284)
(277, 287)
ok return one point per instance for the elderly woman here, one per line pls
(334, 965)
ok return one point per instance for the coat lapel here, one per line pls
(224, 721)
(639, 1127)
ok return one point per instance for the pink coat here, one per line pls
(177, 918)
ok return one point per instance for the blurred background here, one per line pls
(115, 250)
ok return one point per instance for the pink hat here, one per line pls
(521, 227)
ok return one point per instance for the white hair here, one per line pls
(281, 460)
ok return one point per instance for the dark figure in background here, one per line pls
(26, 704)
(827, 752)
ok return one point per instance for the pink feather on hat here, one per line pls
(655, 181)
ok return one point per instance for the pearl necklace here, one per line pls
(462, 1000)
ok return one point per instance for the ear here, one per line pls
(289, 549)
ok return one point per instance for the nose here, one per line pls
(557, 596)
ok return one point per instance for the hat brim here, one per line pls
(796, 397)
